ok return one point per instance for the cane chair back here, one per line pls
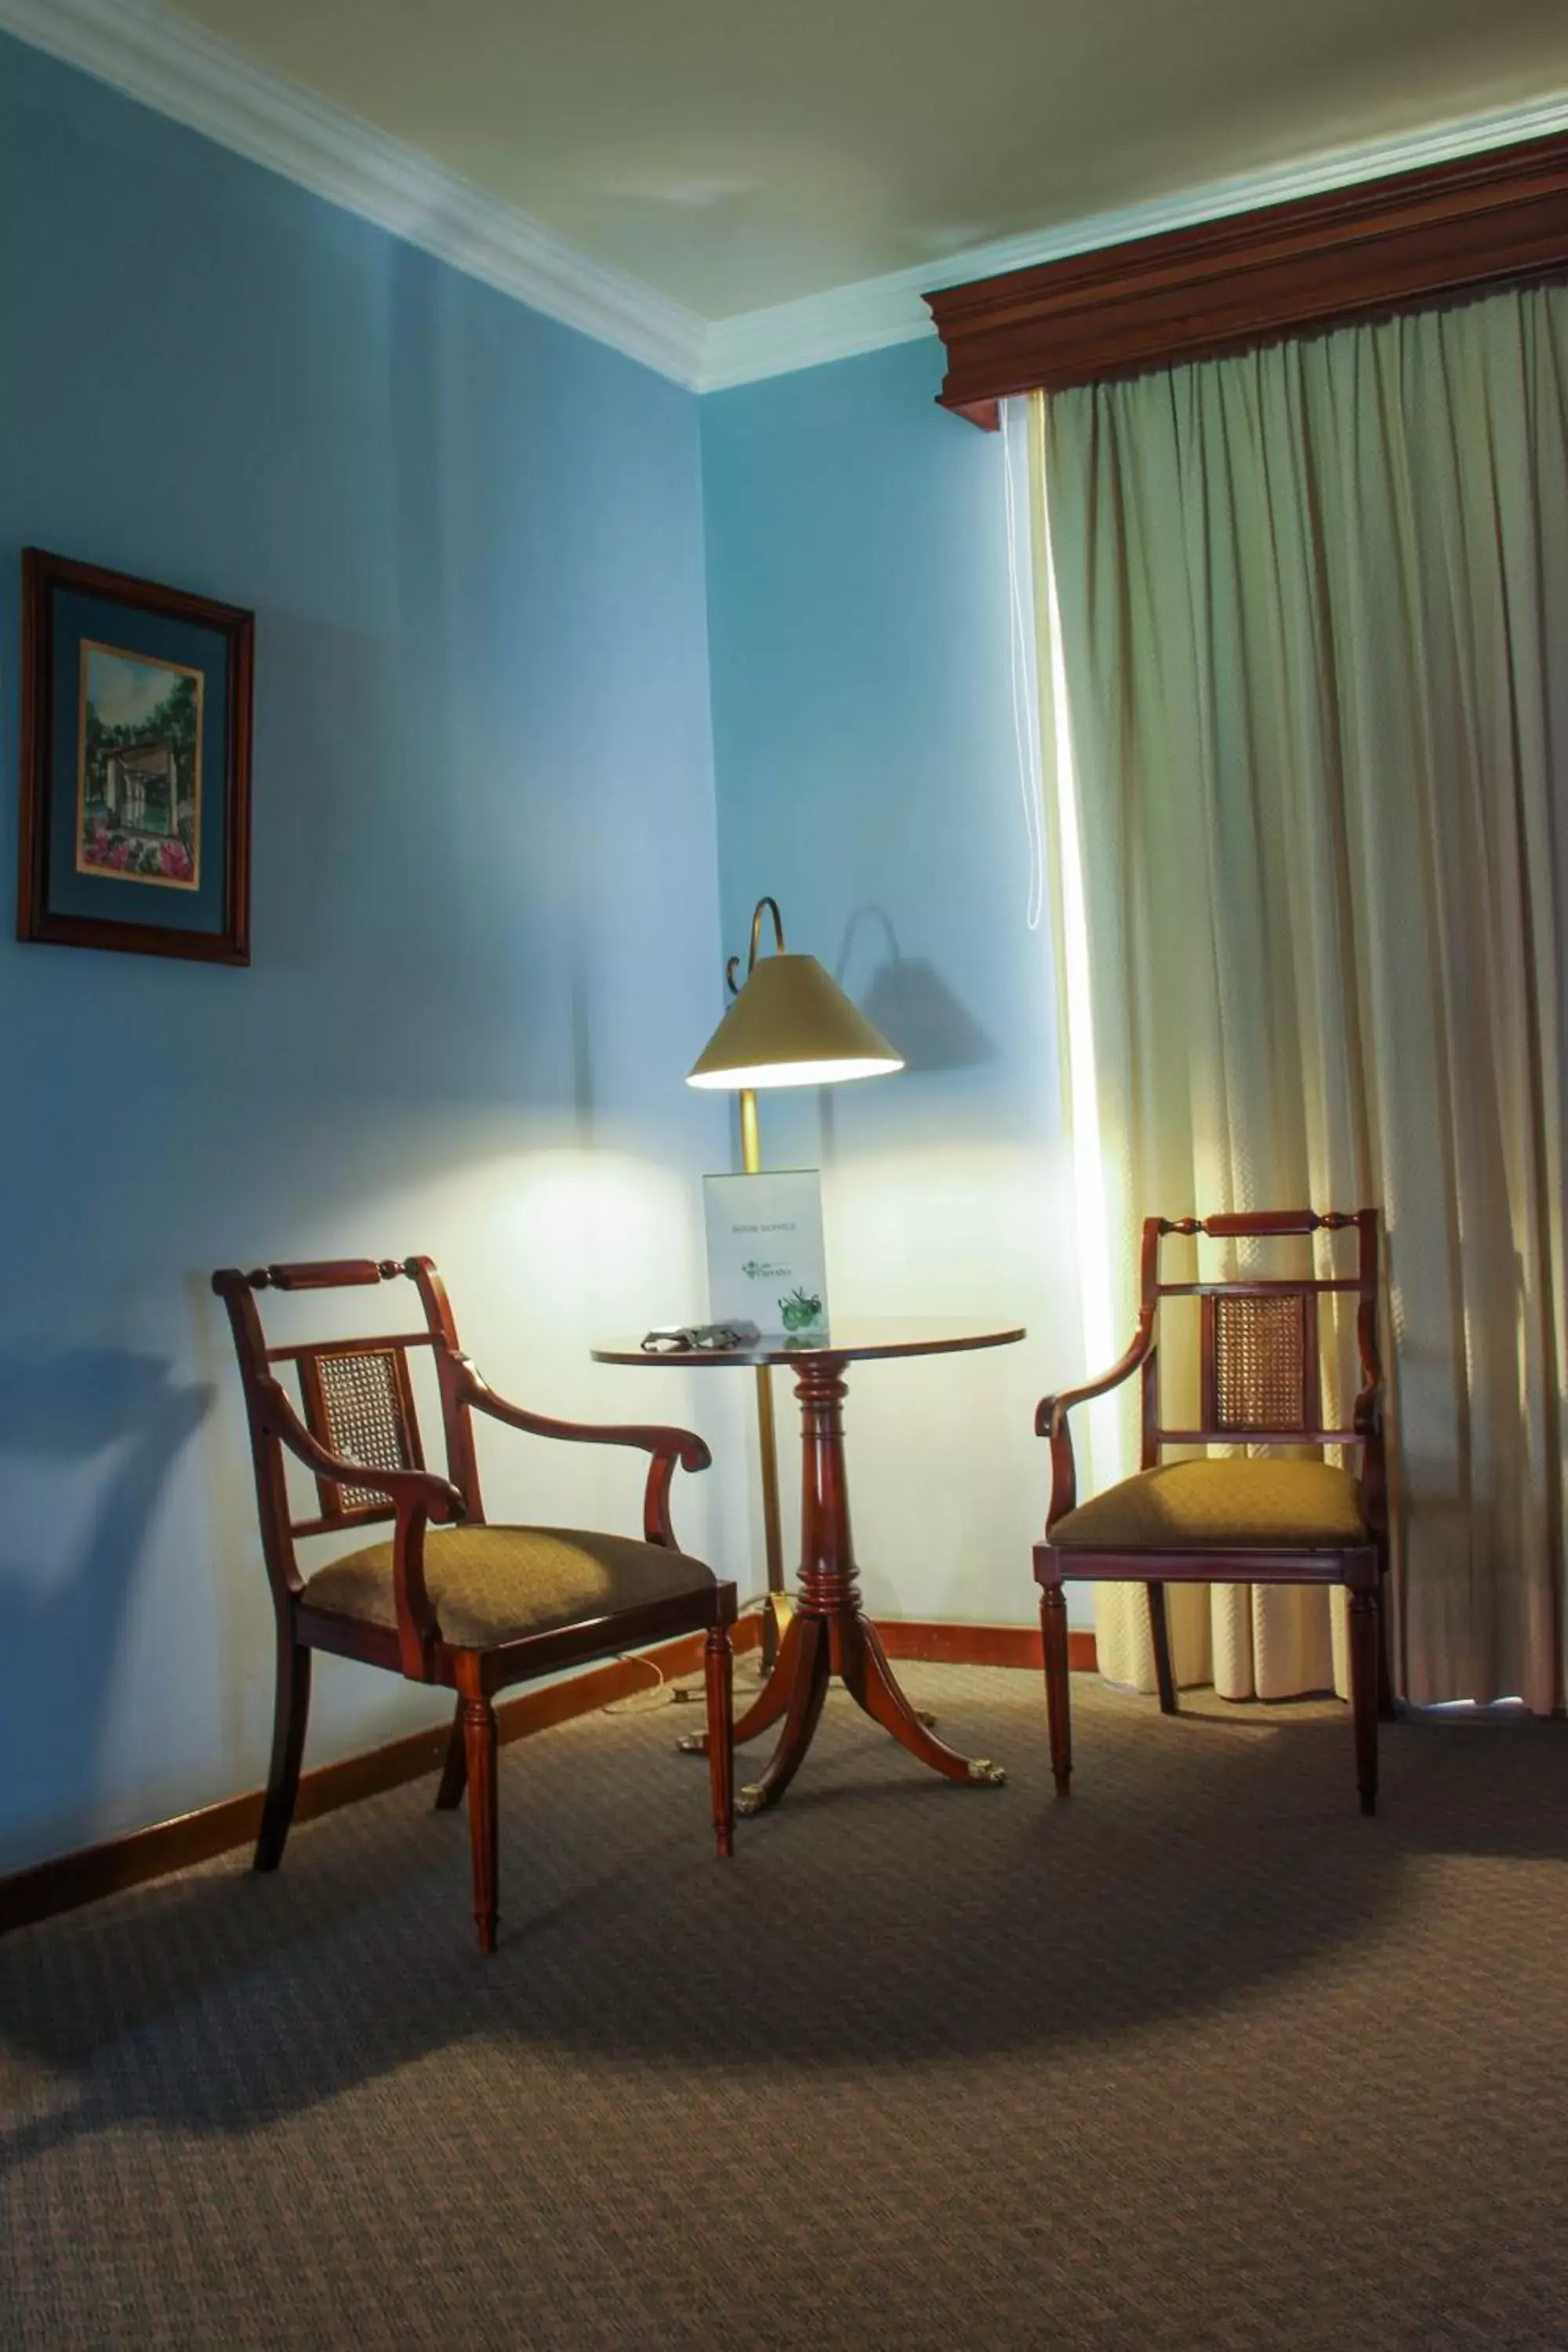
(1260, 1373)
(1261, 1364)
(356, 1397)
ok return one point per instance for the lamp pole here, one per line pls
(776, 1608)
(790, 1024)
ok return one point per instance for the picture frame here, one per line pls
(135, 765)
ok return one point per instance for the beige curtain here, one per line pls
(1312, 640)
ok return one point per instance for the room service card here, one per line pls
(764, 1252)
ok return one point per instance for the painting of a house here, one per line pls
(139, 780)
(139, 789)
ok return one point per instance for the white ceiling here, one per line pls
(731, 154)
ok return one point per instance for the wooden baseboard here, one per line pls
(70, 1879)
(978, 1645)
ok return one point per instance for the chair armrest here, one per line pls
(1366, 1419)
(668, 1446)
(417, 1496)
(1052, 1409)
(1051, 1421)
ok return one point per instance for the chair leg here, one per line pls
(1058, 1700)
(290, 1713)
(1387, 1711)
(1365, 1619)
(1158, 1626)
(484, 1836)
(454, 1771)
(717, 1663)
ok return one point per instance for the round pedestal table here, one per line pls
(829, 1634)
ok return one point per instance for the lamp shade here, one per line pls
(792, 1025)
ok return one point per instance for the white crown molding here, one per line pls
(175, 67)
(850, 319)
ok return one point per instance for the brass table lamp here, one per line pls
(791, 1024)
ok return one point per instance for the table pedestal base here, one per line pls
(829, 1632)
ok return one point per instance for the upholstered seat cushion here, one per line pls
(496, 1584)
(1245, 1505)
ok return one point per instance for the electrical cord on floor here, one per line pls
(662, 1691)
(643, 1702)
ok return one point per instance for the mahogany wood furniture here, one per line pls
(1300, 1521)
(469, 1606)
(1356, 253)
(828, 1632)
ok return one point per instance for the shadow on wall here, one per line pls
(914, 1008)
(912, 1003)
(64, 1627)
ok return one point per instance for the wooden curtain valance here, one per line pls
(1195, 293)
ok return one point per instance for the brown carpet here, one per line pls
(1200, 2058)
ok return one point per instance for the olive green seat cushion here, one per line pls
(496, 1584)
(1245, 1505)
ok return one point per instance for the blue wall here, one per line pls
(485, 916)
(867, 777)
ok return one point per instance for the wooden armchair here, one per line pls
(449, 1598)
(1296, 1521)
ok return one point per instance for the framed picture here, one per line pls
(135, 765)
